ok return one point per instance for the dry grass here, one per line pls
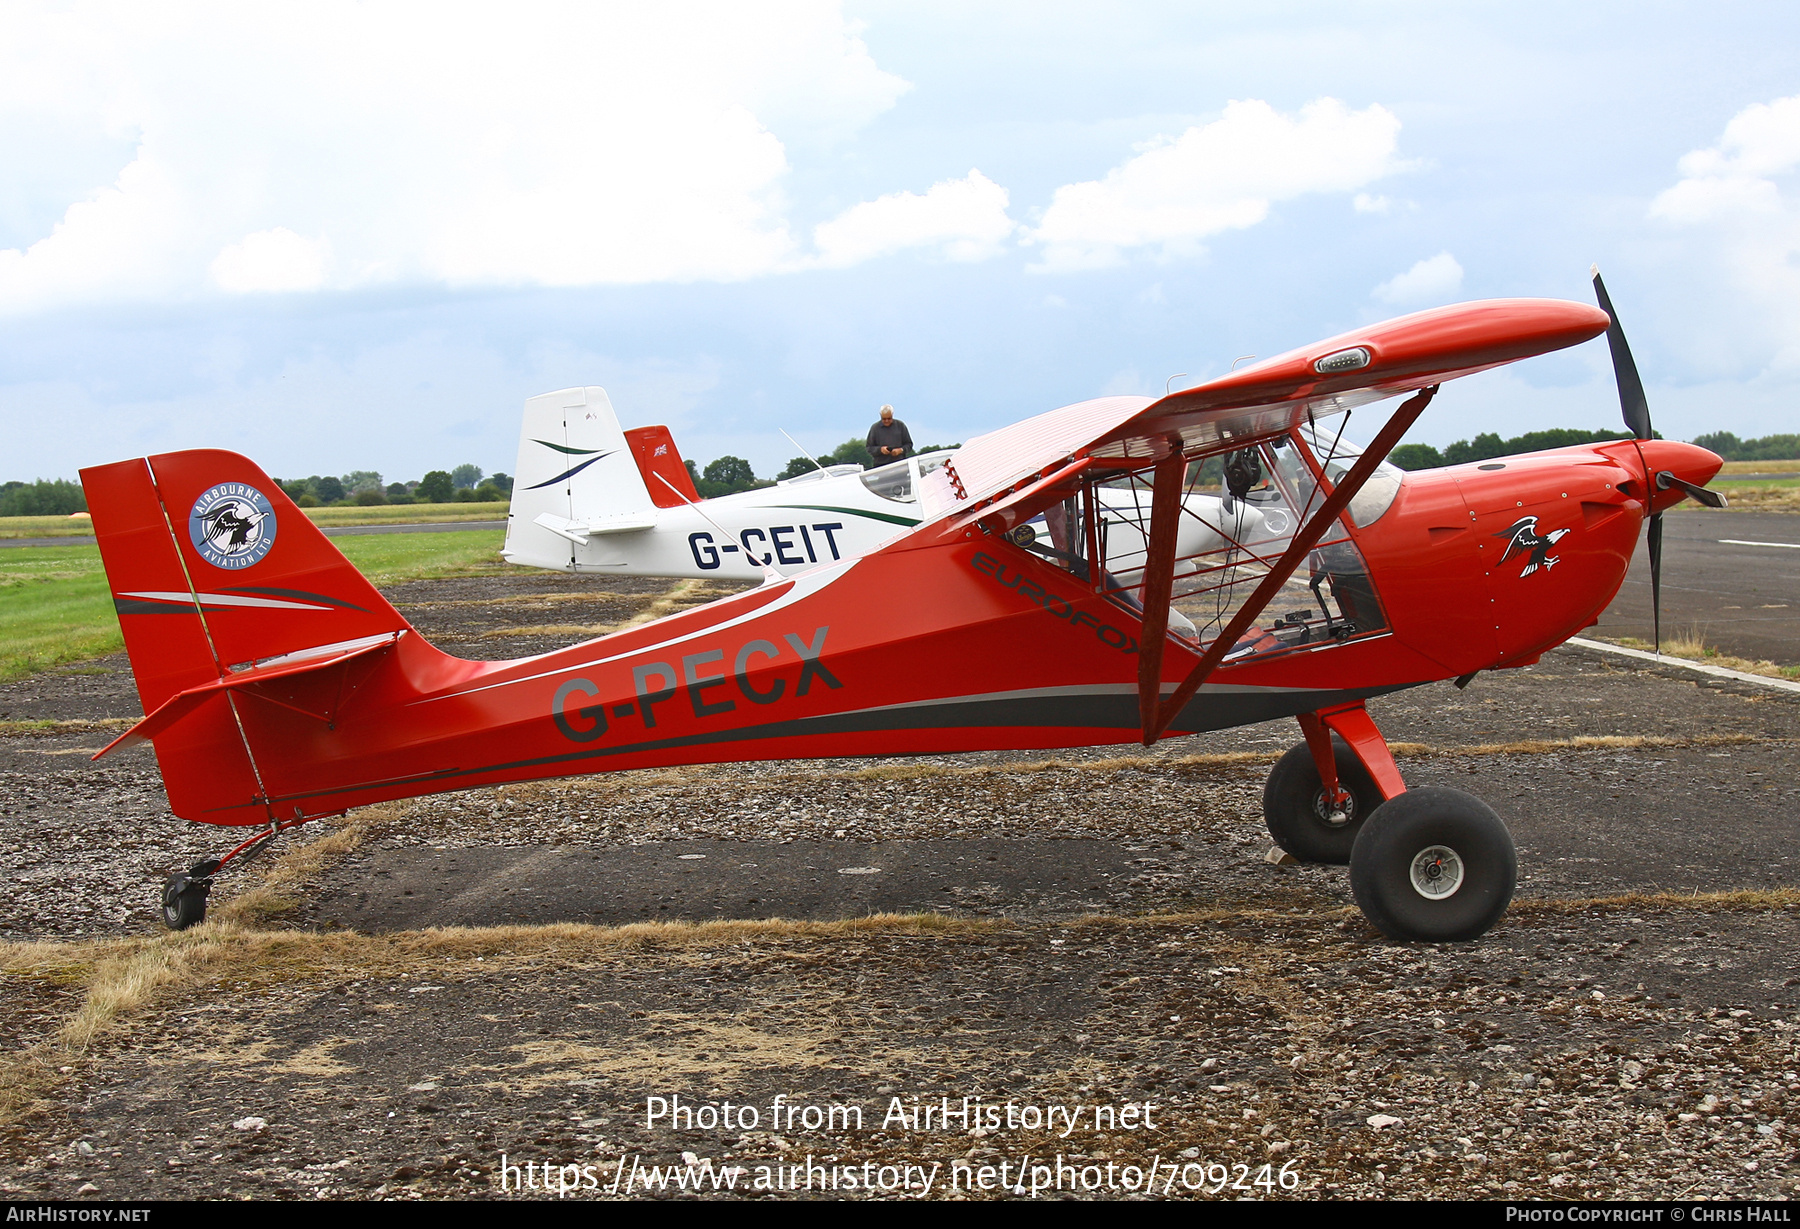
(1739, 900)
(1691, 645)
(50, 729)
(1751, 497)
(275, 895)
(682, 595)
(580, 630)
(529, 599)
(1581, 742)
(124, 977)
(1760, 467)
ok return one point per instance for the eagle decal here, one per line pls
(228, 526)
(1523, 536)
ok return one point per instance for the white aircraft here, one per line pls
(589, 496)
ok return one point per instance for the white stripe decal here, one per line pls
(227, 599)
(804, 585)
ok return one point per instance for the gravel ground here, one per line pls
(1108, 933)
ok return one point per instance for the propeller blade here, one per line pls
(1656, 576)
(1712, 499)
(1632, 401)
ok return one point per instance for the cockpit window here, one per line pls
(893, 482)
(1336, 455)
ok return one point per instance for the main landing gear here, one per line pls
(184, 893)
(1429, 864)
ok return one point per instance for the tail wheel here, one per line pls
(184, 901)
(1301, 818)
(1433, 865)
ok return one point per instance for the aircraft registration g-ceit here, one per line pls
(280, 686)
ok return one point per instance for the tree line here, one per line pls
(1768, 448)
(1482, 447)
(1488, 445)
(364, 487)
(729, 475)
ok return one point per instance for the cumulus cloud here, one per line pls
(272, 261)
(1216, 177)
(1738, 201)
(963, 218)
(336, 144)
(1427, 281)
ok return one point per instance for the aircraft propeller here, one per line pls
(1636, 409)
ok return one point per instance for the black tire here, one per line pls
(1294, 804)
(1433, 865)
(184, 901)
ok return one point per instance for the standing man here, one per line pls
(889, 440)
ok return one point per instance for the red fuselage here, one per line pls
(951, 639)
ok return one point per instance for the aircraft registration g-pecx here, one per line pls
(280, 686)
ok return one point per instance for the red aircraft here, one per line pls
(280, 686)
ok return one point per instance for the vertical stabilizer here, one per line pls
(215, 574)
(577, 473)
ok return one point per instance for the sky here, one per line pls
(352, 236)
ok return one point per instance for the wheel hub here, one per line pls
(1437, 872)
(1335, 813)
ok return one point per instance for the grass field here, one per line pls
(1758, 467)
(380, 514)
(1780, 496)
(56, 608)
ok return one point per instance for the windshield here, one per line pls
(827, 471)
(891, 481)
(895, 481)
(1336, 455)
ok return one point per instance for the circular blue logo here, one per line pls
(232, 525)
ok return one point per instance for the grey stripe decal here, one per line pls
(1206, 711)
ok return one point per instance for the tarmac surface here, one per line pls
(450, 991)
(1732, 578)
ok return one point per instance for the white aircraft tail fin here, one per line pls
(579, 475)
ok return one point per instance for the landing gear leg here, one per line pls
(1319, 793)
(184, 893)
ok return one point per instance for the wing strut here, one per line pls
(1159, 581)
(1159, 568)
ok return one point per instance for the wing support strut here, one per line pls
(1160, 565)
(1159, 582)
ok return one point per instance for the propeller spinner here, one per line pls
(1636, 409)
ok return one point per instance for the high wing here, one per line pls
(999, 480)
(1311, 383)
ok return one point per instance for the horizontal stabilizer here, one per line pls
(305, 661)
(579, 532)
